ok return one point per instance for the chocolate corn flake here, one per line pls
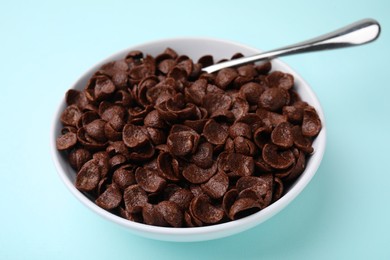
(225, 77)
(157, 141)
(274, 99)
(262, 166)
(263, 68)
(152, 216)
(206, 60)
(159, 93)
(311, 124)
(135, 198)
(66, 141)
(88, 177)
(215, 133)
(196, 91)
(182, 197)
(258, 188)
(278, 189)
(228, 200)
(295, 170)
(117, 160)
(124, 176)
(240, 129)
(134, 136)
(71, 115)
(166, 65)
(110, 198)
(213, 102)
(78, 157)
(77, 98)
(205, 211)
(239, 108)
(235, 164)
(280, 80)
(168, 166)
(294, 112)
(196, 175)
(243, 207)
(154, 120)
(190, 221)
(244, 146)
(95, 130)
(183, 143)
(301, 142)
(171, 213)
(216, 186)
(262, 135)
(282, 135)
(278, 159)
(149, 180)
(103, 87)
(203, 157)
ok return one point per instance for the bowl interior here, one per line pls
(195, 48)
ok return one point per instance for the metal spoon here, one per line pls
(360, 32)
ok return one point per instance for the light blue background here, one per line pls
(344, 213)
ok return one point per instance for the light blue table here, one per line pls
(344, 213)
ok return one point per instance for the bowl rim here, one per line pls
(177, 234)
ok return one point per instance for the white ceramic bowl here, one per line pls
(194, 48)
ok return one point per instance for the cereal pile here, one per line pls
(157, 141)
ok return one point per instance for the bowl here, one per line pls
(194, 48)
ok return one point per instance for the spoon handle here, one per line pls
(357, 33)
